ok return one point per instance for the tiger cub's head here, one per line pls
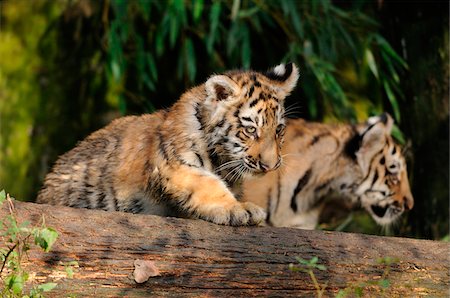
(245, 112)
(384, 191)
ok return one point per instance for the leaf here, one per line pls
(314, 260)
(143, 270)
(392, 100)
(358, 291)
(246, 49)
(190, 59)
(15, 283)
(173, 33)
(246, 13)
(235, 9)
(321, 267)
(302, 261)
(389, 50)
(2, 197)
(69, 272)
(45, 238)
(47, 287)
(197, 9)
(384, 283)
(371, 62)
(296, 21)
(214, 17)
(398, 135)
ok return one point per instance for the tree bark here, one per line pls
(195, 258)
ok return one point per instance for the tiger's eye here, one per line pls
(250, 129)
(280, 128)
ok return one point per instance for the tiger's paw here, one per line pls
(244, 214)
(236, 214)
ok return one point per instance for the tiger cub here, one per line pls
(361, 163)
(183, 161)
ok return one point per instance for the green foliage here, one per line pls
(357, 288)
(382, 284)
(17, 242)
(308, 267)
(317, 35)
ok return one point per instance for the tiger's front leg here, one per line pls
(204, 195)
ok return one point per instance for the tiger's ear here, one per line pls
(384, 118)
(284, 76)
(373, 139)
(221, 87)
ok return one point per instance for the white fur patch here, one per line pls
(279, 70)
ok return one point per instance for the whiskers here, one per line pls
(236, 173)
(227, 165)
(292, 110)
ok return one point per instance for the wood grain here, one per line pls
(197, 258)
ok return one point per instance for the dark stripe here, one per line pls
(278, 193)
(221, 123)
(322, 186)
(371, 164)
(250, 93)
(135, 207)
(255, 102)
(269, 205)
(116, 203)
(318, 137)
(238, 108)
(199, 116)
(375, 178)
(353, 144)
(300, 185)
(101, 204)
(199, 159)
(162, 146)
(247, 119)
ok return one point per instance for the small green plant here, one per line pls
(308, 267)
(382, 284)
(357, 288)
(18, 239)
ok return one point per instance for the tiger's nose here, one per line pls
(266, 167)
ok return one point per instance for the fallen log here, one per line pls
(197, 258)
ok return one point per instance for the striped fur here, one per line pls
(361, 163)
(186, 161)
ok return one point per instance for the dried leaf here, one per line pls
(143, 270)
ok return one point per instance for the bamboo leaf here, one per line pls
(246, 13)
(190, 59)
(371, 62)
(214, 17)
(398, 134)
(389, 50)
(235, 9)
(197, 10)
(246, 50)
(152, 66)
(392, 100)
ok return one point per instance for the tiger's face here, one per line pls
(384, 192)
(247, 116)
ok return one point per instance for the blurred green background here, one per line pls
(67, 68)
